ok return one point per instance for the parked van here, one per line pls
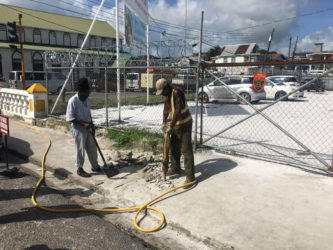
(55, 80)
(133, 81)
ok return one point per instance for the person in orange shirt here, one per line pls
(177, 121)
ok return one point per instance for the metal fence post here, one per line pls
(201, 106)
(106, 98)
(197, 85)
(46, 82)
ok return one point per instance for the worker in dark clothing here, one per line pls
(177, 121)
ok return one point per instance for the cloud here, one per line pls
(225, 22)
(322, 36)
(77, 8)
(228, 21)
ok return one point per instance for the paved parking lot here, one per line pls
(308, 119)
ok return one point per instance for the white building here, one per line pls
(238, 53)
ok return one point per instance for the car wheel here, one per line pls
(203, 97)
(246, 96)
(278, 95)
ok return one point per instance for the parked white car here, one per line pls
(277, 90)
(287, 80)
(242, 85)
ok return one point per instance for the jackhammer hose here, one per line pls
(137, 209)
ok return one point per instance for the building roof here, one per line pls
(50, 21)
(238, 49)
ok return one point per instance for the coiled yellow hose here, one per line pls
(137, 209)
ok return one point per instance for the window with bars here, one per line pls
(3, 32)
(79, 40)
(52, 38)
(16, 61)
(67, 39)
(37, 36)
(37, 62)
(92, 43)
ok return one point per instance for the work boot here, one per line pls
(82, 173)
(174, 172)
(96, 169)
(189, 180)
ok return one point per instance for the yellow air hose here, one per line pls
(137, 209)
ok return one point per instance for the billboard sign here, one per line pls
(259, 80)
(140, 8)
(135, 30)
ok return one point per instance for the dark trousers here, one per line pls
(181, 144)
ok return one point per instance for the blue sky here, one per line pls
(225, 22)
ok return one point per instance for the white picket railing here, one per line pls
(15, 102)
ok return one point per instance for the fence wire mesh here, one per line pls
(298, 130)
(289, 121)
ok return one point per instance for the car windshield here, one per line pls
(283, 79)
(132, 77)
(290, 79)
(218, 82)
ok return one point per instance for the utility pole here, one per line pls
(269, 43)
(197, 84)
(21, 50)
(289, 48)
(295, 49)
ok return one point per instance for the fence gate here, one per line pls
(293, 126)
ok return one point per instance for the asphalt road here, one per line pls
(23, 226)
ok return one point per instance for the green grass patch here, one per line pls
(135, 138)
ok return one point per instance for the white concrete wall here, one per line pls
(16, 102)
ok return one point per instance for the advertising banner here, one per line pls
(140, 8)
(135, 30)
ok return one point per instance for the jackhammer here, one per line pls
(166, 150)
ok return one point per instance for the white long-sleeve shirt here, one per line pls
(76, 109)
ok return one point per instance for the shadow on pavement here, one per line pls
(212, 167)
(22, 148)
(43, 247)
(13, 194)
(207, 169)
(34, 213)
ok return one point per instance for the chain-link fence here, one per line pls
(288, 121)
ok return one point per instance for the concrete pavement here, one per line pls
(238, 203)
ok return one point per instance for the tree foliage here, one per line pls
(213, 52)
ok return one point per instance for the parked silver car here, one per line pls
(277, 90)
(242, 85)
(288, 81)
